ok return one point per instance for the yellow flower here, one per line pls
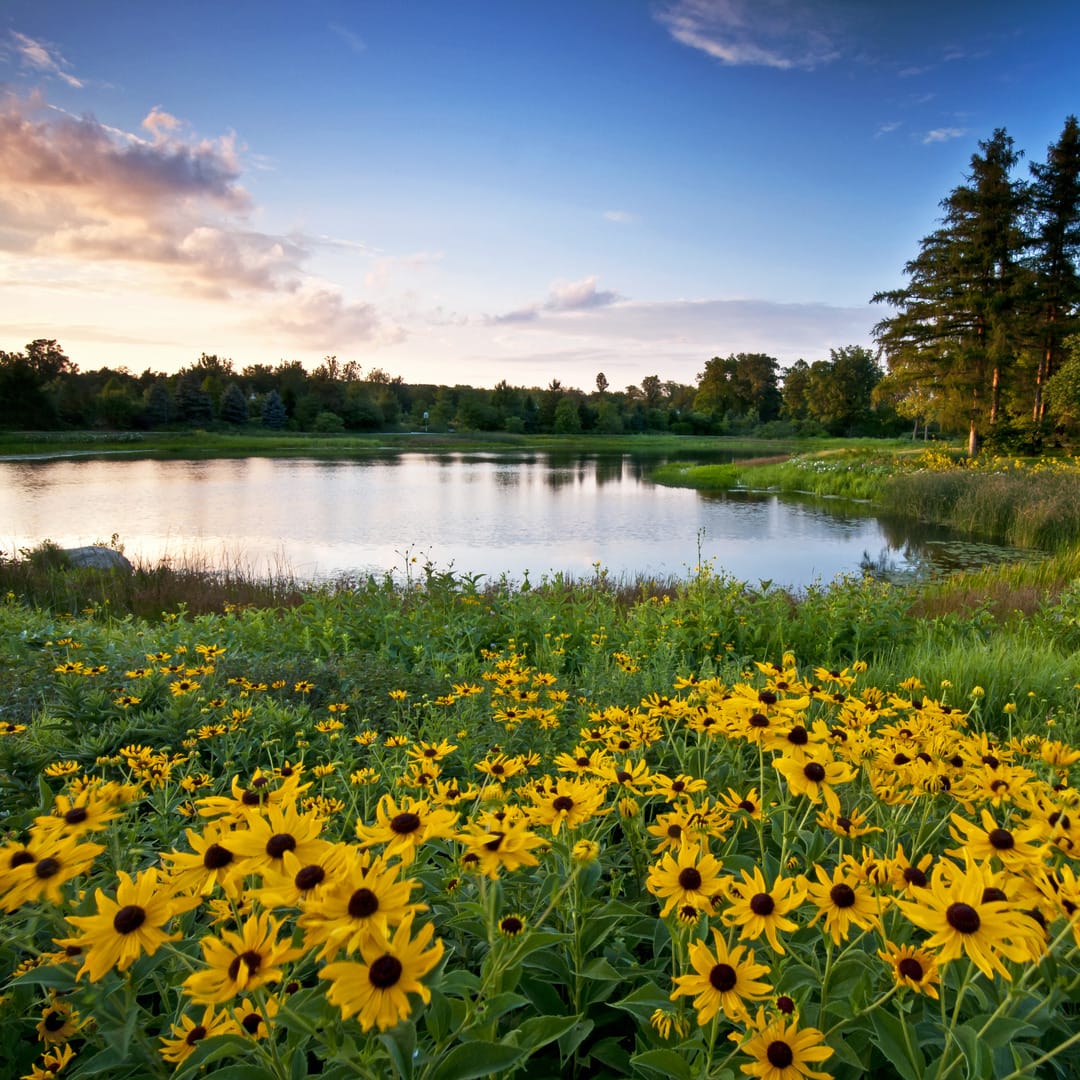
(690, 880)
(844, 901)
(783, 1051)
(723, 980)
(913, 967)
(377, 991)
(756, 909)
(127, 927)
(404, 826)
(189, 1033)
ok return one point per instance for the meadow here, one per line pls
(439, 828)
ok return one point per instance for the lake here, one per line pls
(477, 513)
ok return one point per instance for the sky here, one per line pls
(483, 190)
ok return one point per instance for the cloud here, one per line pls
(355, 43)
(764, 33)
(389, 266)
(319, 315)
(943, 134)
(564, 296)
(623, 217)
(43, 58)
(75, 190)
(888, 127)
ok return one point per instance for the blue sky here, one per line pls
(473, 191)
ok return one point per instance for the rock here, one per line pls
(97, 558)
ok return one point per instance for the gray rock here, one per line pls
(97, 558)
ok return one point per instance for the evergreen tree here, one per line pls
(234, 406)
(1054, 253)
(956, 324)
(159, 408)
(274, 415)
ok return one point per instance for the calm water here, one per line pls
(477, 513)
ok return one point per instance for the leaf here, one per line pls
(540, 1030)
(980, 1063)
(644, 1001)
(600, 968)
(904, 1056)
(661, 1063)
(572, 1039)
(1004, 1029)
(474, 1060)
(400, 1043)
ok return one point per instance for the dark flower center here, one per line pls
(251, 1023)
(279, 843)
(963, 918)
(991, 895)
(128, 919)
(758, 720)
(798, 735)
(678, 785)
(251, 798)
(814, 772)
(309, 877)
(54, 1021)
(76, 815)
(914, 876)
(251, 959)
(689, 878)
(1001, 839)
(581, 762)
(910, 968)
(779, 1054)
(844, 823)
(842, 895)
(989, 759)
(766, 697)
(785, 1004)
(762, 904)
(21, 858)
(623, 776)
(900, 759)
(511, 925)
(216, 856)
(674, 831)
(47, 868)
(405, 823)
(363, 903)
(385, 972)
(494, 842)
(723, 977)
(747, 805)
(563, 802)
(197, 1033)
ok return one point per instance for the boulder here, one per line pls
(97, 558)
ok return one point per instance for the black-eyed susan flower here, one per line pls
(253, 1019)
(367, 900)
(261, 846)
(1013, 848)
(52, 1063)
(815, 776)
(238, 962)
(55, 861)
(85, 813)
(690, 878)
(211, 862)
(844, 901)
(512, 925)
(913, 967)
(723, 981)
(781, 1050)
(294, 880)
(756, 908)
(127, 926)
(377, 991)
(403, 826)
(505, 844)
(59, 1021)
(190, 1032)
(960, 920)
(565, 801)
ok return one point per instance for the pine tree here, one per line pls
(956, 326)
(274, 415)
(234, 406)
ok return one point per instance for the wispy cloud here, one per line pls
(563, 297)
(388, 267)
(353, 40)
(887, 128)
(44, 58)
(622, 217)
(780, 34)
(74, 190)
(943, 134)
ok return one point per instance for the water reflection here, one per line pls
(489, 514)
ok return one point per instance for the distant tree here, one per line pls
(567, 418)
(652, 391)
(601, 383)
(740, 385)
(194, 404)
(158, 406)
(29, 383)
(328, 423)
(234, 405)
(274, 415)
(1062, 391)
(795, 386)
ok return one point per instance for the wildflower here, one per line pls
(512, 925)
(49, 866)
(585, 851)
(960, 919)
(843, 901)
(268, 837)
(815, 778)
(59, 1021)
(844, 825)
(666, 1024)
(566, 802)
(501, 845)
(757, 909)
(783, 1051)
(404, 827)
(189, 1033)
(913, 967)
(126, 927)
(692, 878)
(87, 812)
(724, 980)
(53, 1062)
(367, 899)
(240, 961)
(211, 862)
(1012, 848)
(295, 880)
(377, 991)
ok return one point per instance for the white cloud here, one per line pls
(355, 43)
(390, 266)
(943, 134)
(888, 127)
(43, 58)
(623, 217)
(319, 316)
(563, 297)
(780, 34)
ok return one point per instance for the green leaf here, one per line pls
(540, 1030)
(569, 1041)
(500, 1004)
(1004, 1029)
(474, 1060)
(400, 1043)
(661, 1063)
(644, 1001)
(980, 1063)
(904, 1056)
(600, 968)
(437, 1016)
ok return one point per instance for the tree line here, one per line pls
(744, 393)
(982, 337)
